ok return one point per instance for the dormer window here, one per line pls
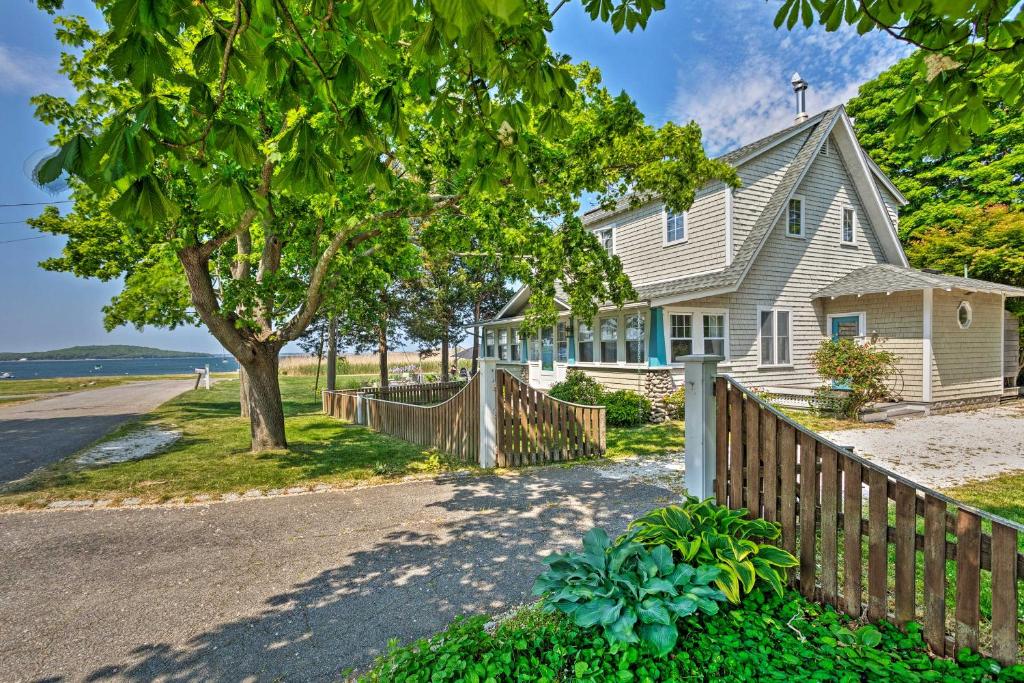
(606, 237)
(849, 226)
(795, 217)
(675, 226)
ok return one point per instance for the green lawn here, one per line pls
(658, 439)
(212, 456)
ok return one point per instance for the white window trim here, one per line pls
(856, 222)
(970, 315)
(862, 324)
(664, 228)
(620, 348)
(697, 328)
(775, 336)
(611, 228)
(803, 217)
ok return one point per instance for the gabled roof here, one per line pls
(885, 277)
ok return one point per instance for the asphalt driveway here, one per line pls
(291, 588)
(38, 433)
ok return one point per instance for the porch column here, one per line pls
(656, 356)
(488, 413)
(699, 476)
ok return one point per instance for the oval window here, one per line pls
(964, 315)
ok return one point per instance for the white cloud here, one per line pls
(26, 73)
(742, 91)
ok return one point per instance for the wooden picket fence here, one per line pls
(534, 428)
(341, 403)
(815, 489)
(452, 426)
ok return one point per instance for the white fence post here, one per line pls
(206, 375)
(488, 413)
(360, 409)
(699, 477)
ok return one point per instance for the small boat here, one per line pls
(6, 375)
(97, 367)
(21, 360)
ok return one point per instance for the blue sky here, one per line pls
(719, 63)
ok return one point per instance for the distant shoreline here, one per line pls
(81, 360)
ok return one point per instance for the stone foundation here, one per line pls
(957, 404)
(657, 385)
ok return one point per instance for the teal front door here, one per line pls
(845, 327)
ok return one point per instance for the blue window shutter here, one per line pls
(570, 336)
(656, 340)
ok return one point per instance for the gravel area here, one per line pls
(941, 451)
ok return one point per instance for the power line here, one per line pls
(23, 239)
(59, 201)
(23, 220)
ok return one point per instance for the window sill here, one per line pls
(801, 236)
(675, 242)
(780, 366)
(848, 244)
(601, 364)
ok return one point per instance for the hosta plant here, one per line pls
(633, 593)
(704, 533)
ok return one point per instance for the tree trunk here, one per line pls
(444, 360)
(382, 350)
(319, 360)
(266, 413)
(476, 337)
(243, 392)
(332, 352)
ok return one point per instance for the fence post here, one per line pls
(699, 476)
(360, 409)
(488, 413)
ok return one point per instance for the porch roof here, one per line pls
(885, 277)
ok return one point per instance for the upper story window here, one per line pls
(585, 343)
(636, 338)
(607, 238)
(675, 226)
(515, 352)
(609, 340)
(795, 217)
(775, 338)
(502, 344)
(489, 344)
(561, 343)
(680, 336)
(849, 225)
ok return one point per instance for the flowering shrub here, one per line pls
(864, 370)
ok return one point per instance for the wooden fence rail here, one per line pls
(452, 426)
(816, 491)
(342, 403)
(533, 427)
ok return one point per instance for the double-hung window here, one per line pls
(489, 344)
(714, 334)
(515, 351)
(502, 344)
(795, 217)
(675, 226)
(561, 343)
(606, 237)
(849, 225)
(775, 337)
(585, 344)
(636, 338)
(609, 340)
(680, 336)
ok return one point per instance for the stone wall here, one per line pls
(657, 385)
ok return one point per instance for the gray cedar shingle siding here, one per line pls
(967, 363)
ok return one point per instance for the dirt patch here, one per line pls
(134, 446)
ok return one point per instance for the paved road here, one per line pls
(40, 432)
(294, 588)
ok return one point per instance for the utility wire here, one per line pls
(23, 239)
(59, 201)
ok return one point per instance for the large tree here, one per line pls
(228, 158)
(972, 64)
(987, 171)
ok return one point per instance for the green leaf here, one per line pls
(144, 202)
(776, 556)
(660, 637)
(603, 611)
(621, 630)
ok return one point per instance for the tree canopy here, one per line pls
(233, 160)
(972, 62)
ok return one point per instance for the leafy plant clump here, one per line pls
(633, 593)
(766, 638)
(578, 387)
(863, 368)
(626, 408)
(704, 533)
(675, 403)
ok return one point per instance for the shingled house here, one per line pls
(804, 249)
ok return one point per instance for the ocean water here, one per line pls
(41, 369)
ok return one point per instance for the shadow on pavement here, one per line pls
(29, 444)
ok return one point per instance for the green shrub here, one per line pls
(704, 533)
(632, 593)
(766, 638)
(676, 403)
(866, 369)
(826, 401)
(578, 387)
(626, 408)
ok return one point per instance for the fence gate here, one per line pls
(533, 427)
(816, 490)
